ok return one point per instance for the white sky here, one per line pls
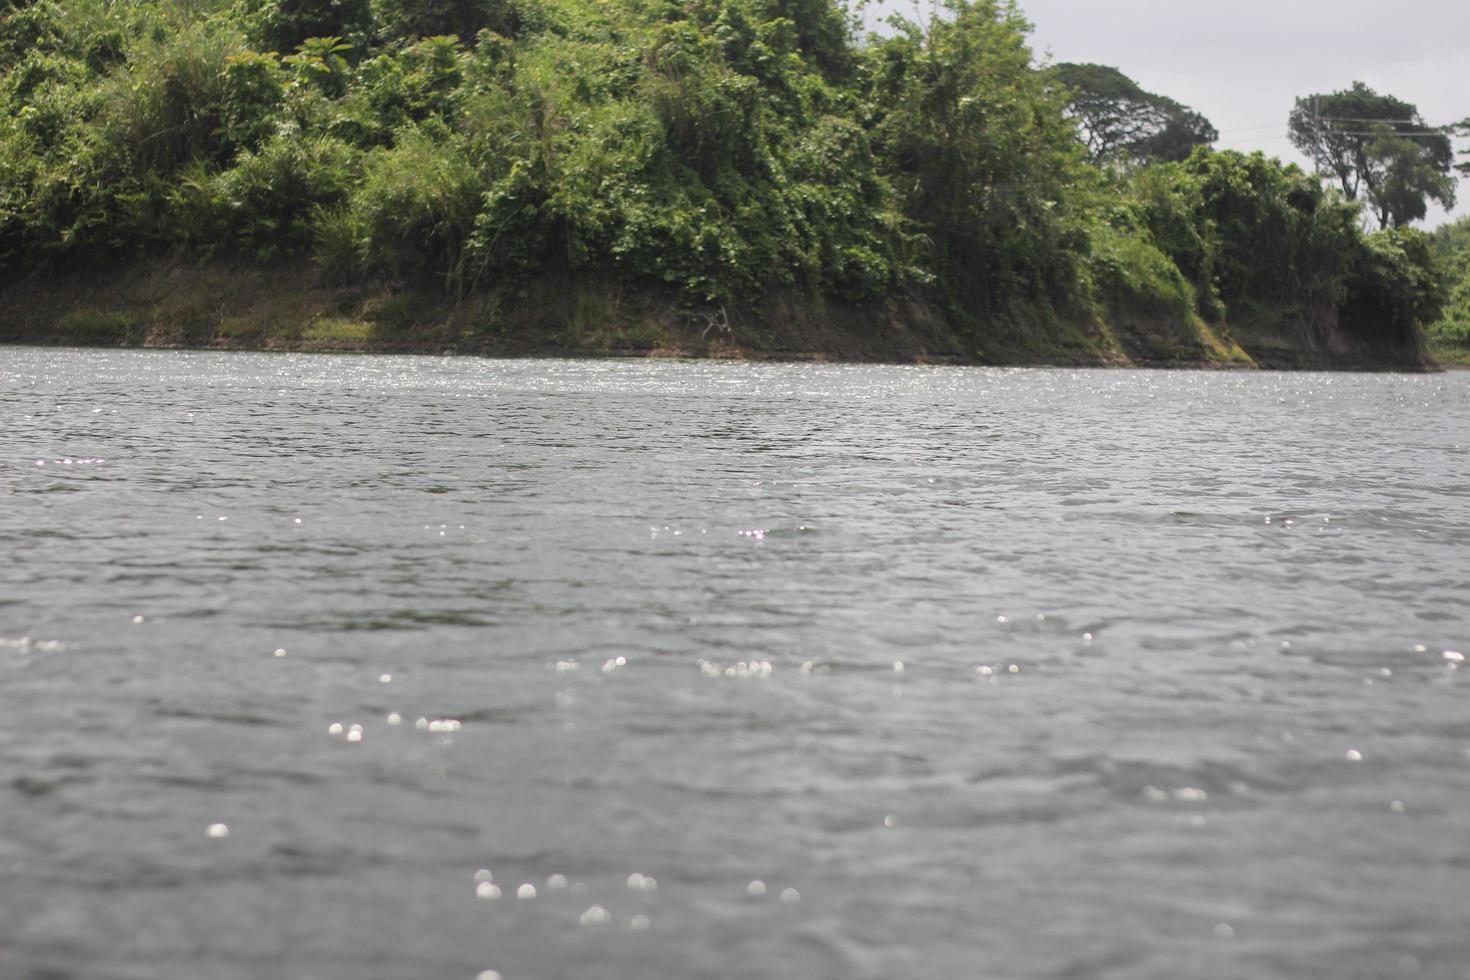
(1243, 62)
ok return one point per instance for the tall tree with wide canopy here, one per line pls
(1379, 149)
(1119, 120)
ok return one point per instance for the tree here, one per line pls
(1379, 149)
(1119, 120)
(980, 152)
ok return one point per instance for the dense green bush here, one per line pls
(1451, 245)
(1395, 288)
(1132, 274)
(413, 19)
(716, 150)
(262, 206)
(282, 25)
(982, 158)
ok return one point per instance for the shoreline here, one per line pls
(170, 305)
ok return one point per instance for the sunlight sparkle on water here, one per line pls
(596, 916)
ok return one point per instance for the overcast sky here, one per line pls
(1243, 62)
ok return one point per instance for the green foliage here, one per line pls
(411, 213)
(413, 19)
(1281, 242)
(283, 25)
(1377, 147)
(981, 156)
(319, 64)
(1451, 246)
(1395, 288)
(254, 88)
(27, 28)
(1133, 274)
(261, 206)
(712, 151)
(1121, 122)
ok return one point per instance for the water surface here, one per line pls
(986, 673)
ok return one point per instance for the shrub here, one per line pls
(411, 213)
(1132, 274)
(413, 19)
(1452, 250)
(1395, 288)
(262, 206)
(282, 25)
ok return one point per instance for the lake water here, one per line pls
(750, 671)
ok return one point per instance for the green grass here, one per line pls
(89, 326)
(337, 331)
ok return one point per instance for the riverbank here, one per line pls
(293, 307)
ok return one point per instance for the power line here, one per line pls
(1358, 119)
